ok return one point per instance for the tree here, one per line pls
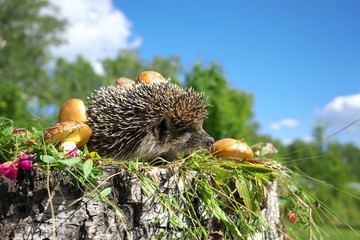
(306, 156)
(334, 166)
(337, 172)
(26, 32)
(169, 68)
(130, 64)
(73, 80)
(230, 114)
(127, 64)
(350, 156)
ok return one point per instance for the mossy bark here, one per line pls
(25, 209)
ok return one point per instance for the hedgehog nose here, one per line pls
(210, 141)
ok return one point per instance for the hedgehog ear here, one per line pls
(161, 127)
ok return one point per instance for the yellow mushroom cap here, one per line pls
(73, 110)
(69, 131)
(149, 77)
(232, 149)
(125, 82)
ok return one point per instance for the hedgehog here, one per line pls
(147, 121)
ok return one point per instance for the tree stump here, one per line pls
(25, 209)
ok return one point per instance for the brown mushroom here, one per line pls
(125, 82)
(73, 110)
(232, 149)
(68, 131)
(150, 77)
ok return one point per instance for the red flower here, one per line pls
(87, 157)
(292, 217)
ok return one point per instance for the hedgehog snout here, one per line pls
(205, 139)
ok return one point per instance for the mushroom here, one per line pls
(125, 82)
(68, 131)
(150, 77)
(232, 149)
(73, 110)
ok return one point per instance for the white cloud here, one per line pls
(342, 111)
(96, 30)
(286, 122)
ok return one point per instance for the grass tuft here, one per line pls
(233, 193)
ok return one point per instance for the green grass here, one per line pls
(341, 232)
(222, 186)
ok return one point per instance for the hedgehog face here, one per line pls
(175, 139)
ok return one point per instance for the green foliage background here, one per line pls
(29, 90)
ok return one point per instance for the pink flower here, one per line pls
(72, 153)
(27, 157)
(8, 170)
(20, 131)
(24, 162)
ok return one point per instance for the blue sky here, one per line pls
(300, 59)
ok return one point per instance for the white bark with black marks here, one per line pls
(25, 211)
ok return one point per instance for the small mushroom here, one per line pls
(69, 131)
(232, 149)
(150, 77)
(125, 82)
(73, 110)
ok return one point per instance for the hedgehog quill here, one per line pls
(147, 121)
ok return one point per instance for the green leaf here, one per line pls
(80, 166)
(243, 190)
(151, 184)
(282, 201)
(94, 155)
(156, 221)
(145, 190)
(54, 152)
(175, 202)
(70, 161)
(47, 158)
(97, 171)
(93, 181)
(105, 192)
(293, 188)
(175, 223)
(160, 235)
(231, 226)
(87, 167)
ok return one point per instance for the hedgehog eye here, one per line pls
(161, 127)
